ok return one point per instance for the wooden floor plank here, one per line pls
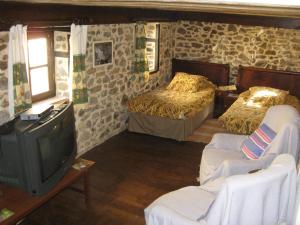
(131, 171)
(206, 131)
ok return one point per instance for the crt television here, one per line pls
(35, 155)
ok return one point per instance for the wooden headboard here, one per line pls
(216, 73)
(250, 76)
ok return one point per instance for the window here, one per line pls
(41, 65)
(152, 46)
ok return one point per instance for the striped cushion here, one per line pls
(255, 146)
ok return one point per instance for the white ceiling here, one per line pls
(283, 8)
(279, 3)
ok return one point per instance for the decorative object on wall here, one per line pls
(102, 53)
(141, 67)
(78, 40)
(18, 86)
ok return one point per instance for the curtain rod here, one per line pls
(45, 27)
(49, 23)
(32, 28)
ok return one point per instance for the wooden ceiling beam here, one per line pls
(36, 15)
(220, 6)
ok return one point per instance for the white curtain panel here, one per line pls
(19, 91)
(78, 39)
(78, 42)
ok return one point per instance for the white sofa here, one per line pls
(223, 155)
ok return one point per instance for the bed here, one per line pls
(178, 127)
(246, 113)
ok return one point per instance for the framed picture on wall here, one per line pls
(102, 53)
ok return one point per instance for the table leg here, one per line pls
(87, 188)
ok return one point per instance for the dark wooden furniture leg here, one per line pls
(87, 187)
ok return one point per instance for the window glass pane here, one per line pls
(151, 30)
(150, 47)
(39, 80)
(37, 51)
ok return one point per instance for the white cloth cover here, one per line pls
(297, 202)
(263, 198)
(223, 155)
(279, 115)
(190, 202)
(17, 53)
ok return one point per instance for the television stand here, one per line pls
(22, 203)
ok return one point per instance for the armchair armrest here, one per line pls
(243, 166)
(227, 141)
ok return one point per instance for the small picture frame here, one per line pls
(102, 53)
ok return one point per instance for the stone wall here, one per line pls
(273, 48)
(4, 112)
(110, 86)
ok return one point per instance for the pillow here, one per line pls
(262, 88)
(185, 82)
(266, 96)
(256, 144)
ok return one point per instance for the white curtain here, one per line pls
(77, 73)
(19, 95)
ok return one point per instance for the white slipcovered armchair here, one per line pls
(266, 197)
(223, 155)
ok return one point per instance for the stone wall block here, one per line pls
(264, 47)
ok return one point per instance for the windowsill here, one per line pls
(153, 72)
(50, 101)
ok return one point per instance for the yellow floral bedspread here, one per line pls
(172, 104)
(241, 118)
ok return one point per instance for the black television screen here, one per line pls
(55, 147)
(35, 156)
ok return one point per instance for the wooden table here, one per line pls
(22, 203)
(229, 99)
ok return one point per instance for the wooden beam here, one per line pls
(45, 15)
(229, 7)
(39, 15)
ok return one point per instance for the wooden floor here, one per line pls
(131, 171)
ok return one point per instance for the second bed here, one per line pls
(260, 89)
